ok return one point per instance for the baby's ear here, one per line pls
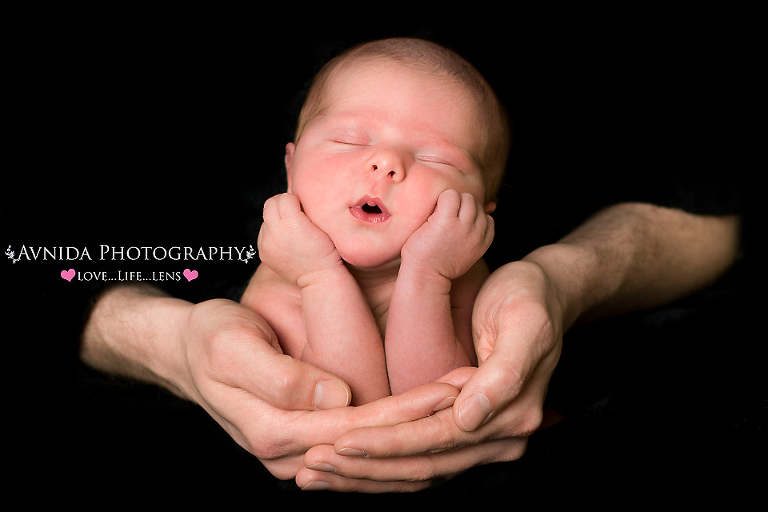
(289, 149)
(489, 207)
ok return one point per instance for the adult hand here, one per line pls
(225, 357)
(627, 257)
(273, 405)
(518, 329)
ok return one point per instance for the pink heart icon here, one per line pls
(189, 274)
(68, 274)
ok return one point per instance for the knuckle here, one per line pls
(419, 469)
(445, 438)
(282, 469)
(440, 430)
(509, 375)
(271, 445)
(219, 353)
(529, 422)
(514, 451)
(286, 383)
(269, 450)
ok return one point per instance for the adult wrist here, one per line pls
(571, 271)
(134, 331)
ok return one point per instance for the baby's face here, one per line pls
(369, 168)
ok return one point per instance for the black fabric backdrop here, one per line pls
(166, 133)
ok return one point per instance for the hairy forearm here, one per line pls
(126, 327)
(636, 256)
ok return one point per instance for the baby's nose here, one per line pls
(391, 174)
(388, 164)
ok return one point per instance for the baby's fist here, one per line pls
(455, 236)
(289, 243)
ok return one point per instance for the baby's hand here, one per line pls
(455, 236)
(290, 244)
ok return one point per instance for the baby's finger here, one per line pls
(259, 241)
(490, 230)
(448, 203)
(271, 212)
(289, 205)
(468, 209)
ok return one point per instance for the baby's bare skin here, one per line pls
(371, 260)
(322, 314)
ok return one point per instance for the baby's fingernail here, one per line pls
(445, 403)
(329, 395)
(474, 412)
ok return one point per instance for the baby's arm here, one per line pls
(424, 339)
(341, 333)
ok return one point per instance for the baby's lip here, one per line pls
(370, 210)
(372, 201)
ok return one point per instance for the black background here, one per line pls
(149, 129)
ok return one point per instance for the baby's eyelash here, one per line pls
(349, 142)
(434, 160)
(439, 161)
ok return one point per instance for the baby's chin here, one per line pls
(370, 260)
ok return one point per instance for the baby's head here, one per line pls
(386, 128)
(437, 61)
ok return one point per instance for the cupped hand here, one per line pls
(275, 406)
(518, 337)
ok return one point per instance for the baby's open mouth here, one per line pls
(369, 209)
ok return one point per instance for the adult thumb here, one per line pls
(495, 384)
(250, 358)
(291, 384)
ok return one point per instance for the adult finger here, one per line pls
(434, 434)
(310, 480)
(512, 339)
(287, 383)
(423, 431)
(299, 429)
(417, 468)
(437, 432)
(414, 404)
(242, 352)
(491, 388)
